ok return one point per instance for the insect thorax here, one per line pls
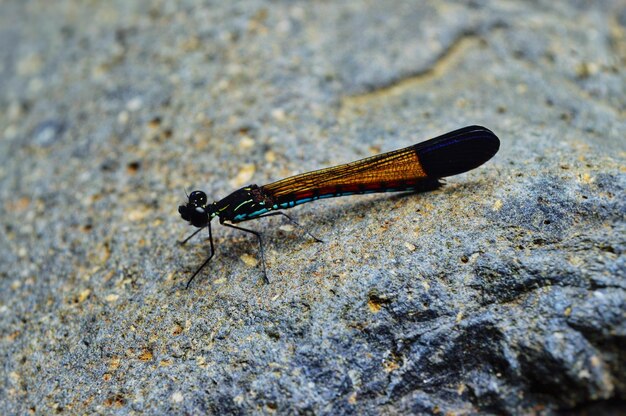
(245, 203)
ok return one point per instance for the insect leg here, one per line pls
(293, 221)
(189, 238)
(207, 260)
(260, 246)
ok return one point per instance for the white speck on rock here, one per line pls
(134, 104)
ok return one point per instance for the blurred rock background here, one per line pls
(502, 292)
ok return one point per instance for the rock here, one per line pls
(502, 292)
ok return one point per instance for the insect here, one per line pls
(416, 168)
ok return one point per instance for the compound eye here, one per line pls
(198, 198)
(184, 212)
(199, 217)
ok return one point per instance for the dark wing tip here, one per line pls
(458, 151)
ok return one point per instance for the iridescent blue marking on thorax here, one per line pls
(250, 215)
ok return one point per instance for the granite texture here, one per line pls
(503, 292)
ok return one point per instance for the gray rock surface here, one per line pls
(502, 292)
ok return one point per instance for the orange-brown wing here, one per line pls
(398, 169)
(417, 167)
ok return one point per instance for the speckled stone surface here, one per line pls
(502, 292)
